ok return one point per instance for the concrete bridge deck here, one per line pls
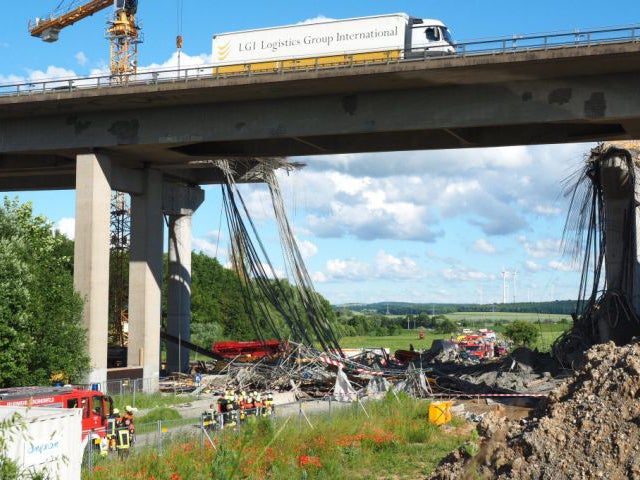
(555, 95)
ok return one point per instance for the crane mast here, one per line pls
(122, 32)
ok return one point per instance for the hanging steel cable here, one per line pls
(316, 311)
(259, 280)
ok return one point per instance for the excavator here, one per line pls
(122, 32)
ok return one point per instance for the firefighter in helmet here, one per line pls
(127, 420)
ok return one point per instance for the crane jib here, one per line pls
(122, 31)
(38, 26)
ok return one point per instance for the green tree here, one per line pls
(41, 329)
(446, 326)
(219, 307)
(522, 333)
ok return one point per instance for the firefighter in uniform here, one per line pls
(268, 405)
(124, 441)
(113, 422)
(258, 403)
(127, 419)
(209, 418)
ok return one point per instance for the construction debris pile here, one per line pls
(523, 370)
(588, 428)
(309, 373)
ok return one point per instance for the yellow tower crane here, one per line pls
(123, 32)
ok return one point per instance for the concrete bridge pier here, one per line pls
(619, 175)
(96, 176)
(91, 255)
(180, 202)
(145, 279)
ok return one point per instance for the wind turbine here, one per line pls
(504, 285)
(515, 273)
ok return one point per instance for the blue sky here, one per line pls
(435, 226)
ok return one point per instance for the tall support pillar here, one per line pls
(179, 291)
(145, 279)
(91, 256)
(619, 176)
(180, 203)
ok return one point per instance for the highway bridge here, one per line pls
(573, 92)
(154, 137)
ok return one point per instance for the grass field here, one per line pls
(393, 440)
(548, 333)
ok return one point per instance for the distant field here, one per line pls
(394, 343)
(508, 316)
(549, 332)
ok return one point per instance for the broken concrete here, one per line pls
(588, 428)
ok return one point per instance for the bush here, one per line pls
(522, 333)
(446, 326)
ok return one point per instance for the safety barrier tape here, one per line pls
(460, 394)
(331, 361)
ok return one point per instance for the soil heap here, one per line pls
(588, 428)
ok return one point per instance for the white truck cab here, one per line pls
(429, 37)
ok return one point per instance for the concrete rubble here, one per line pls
(589, 427)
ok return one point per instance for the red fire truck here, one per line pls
(249, 350)
(96, 407)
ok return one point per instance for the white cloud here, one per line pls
(318, 277)
(307, 249)
(213, 244)
(542, 248)
(396, 268)
(483, 246)
(81, 58)
(532, 266)
(341, 205)
(258, 202)
(318, 19)
(51, 73)
(494, 189)
(189, 65)
(547, 210)
(563, 266)
(383, 266)
(350, 269)
(11, 79)
(67, 227)
(208, 247)
(465, 274)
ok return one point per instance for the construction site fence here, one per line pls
(483, 46)
(157, 437)
(131, 387)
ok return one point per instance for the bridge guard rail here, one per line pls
(488, 46)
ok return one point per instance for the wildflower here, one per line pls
(305, 460)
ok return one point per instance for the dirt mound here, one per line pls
(588, 428)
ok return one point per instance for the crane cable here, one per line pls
(179, 38)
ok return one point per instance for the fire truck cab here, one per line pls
(96, 407)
